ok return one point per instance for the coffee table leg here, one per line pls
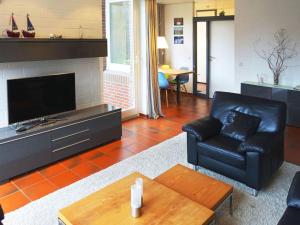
(231, 205)
(213, 222)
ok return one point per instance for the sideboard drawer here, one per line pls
(256, 91)
(20, 156)
(70, 138)
(279, 94)
(69, 130)
(105, 122)
(294, 97)
(293, 118)
(71, 148)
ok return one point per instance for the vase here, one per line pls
(276, 79)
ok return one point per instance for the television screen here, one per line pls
(36, 97)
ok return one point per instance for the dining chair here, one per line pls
(164, 85)
(166, 67)
(183, 79)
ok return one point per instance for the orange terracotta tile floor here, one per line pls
(138, 134)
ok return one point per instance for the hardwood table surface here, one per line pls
(111, 206)
(175, 72)
(198, 187)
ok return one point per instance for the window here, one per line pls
(118, 25)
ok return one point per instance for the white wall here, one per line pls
(55, 16)
(261, 19)
(61, 17)
(180, 55)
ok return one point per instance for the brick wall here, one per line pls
(61, 17)
(117, 89)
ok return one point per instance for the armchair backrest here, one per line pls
(272, 113)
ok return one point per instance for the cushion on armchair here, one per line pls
(239, 126)
(262, 142)
(293, 199)
(203, 128)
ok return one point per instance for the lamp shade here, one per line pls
(162, 43)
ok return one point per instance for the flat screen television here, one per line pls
(32, 98)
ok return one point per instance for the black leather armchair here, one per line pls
(291, 215)
(251, 161)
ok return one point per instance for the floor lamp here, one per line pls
(162, 45)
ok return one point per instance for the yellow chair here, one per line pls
(166, 67)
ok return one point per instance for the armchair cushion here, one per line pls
(293, 199)
(262, 142)
(239, 125)
(203, 128)
(223, 149)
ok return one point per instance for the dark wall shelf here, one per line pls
(20, 50)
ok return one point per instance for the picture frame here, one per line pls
(178, 30)
(178, 40)
(178, 21)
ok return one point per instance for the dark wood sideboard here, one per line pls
(279, 93)
(76, 132)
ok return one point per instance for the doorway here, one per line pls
(120, 75)
(213, 54)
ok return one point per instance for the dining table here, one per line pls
(175, 74)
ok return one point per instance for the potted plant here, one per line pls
(280, 52)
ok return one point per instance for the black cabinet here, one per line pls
(284, 94)
(77, 132)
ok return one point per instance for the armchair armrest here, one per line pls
(293, 199)
(262, 142)
(203, 128)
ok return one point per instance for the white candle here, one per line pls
(136, 198)
(139, 185)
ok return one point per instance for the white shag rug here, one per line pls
(265, 209)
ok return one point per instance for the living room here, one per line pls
(88, 135)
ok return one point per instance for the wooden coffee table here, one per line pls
(198, 187)
(111, 206)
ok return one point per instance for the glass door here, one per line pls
(120, 72)
(213, 54)
(201, 81)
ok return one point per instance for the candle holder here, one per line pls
(136, 201)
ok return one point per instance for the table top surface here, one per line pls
(111, 206)
(198, 187)
(175, 72)
(271, 85)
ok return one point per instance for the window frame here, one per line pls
(113, 66)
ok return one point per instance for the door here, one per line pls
(201, 85)
(120, 77)
(222, 75)
(213, 55)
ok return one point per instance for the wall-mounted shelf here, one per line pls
(38, 49)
